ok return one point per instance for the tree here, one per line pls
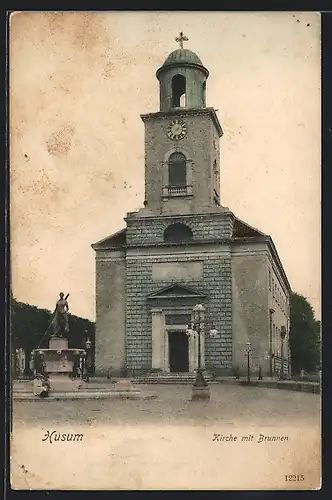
(304, 335)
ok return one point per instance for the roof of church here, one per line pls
(181, 56)
(113, 240)
(242, 230)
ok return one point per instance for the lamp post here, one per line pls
(282, 335)
(200, 389)
(88, 358)
(248, 361)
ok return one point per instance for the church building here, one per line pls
(185, 248)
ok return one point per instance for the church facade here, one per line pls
(184, 248)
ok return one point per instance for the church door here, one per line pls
(178, 351)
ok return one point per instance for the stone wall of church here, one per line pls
(110, 315)
(278, 298)
(216, 283)
(250, 308)
(146, 231)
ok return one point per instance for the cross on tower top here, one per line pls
(182, 38)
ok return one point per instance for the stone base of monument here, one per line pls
(63, 383)
(58, 362)
(200, 393)
(201, 390)
(123, 389)
(124, 385)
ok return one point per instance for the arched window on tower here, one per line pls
(178, 232)
(177, 172)
(178, 91)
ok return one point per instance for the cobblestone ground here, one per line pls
(170, 442)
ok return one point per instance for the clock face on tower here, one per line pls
(176, 130)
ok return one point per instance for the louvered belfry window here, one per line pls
(177, 170)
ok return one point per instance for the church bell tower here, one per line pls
(182, 155)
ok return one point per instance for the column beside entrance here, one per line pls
(158, 329)
(166, 367)
(193, 352)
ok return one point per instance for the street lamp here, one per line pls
(248, 361)
(88, 357)
(200, 388)
(282, 335)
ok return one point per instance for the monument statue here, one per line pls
(60, 320)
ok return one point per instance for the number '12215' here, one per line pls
(294, 477)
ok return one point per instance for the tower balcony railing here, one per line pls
(170, 191)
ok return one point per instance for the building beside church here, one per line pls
(183, 248)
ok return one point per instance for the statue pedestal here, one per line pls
(59, 362)
(200, 394)
(63, 383)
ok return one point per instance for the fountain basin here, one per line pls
(58, 362)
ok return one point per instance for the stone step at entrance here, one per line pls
(169, 378)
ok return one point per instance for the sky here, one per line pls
(78, 84)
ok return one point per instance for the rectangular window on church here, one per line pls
(273, 287)
(177, 319)
(269, 280)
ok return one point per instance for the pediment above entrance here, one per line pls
(177, 291)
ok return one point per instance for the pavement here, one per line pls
(272, 383)
(169, 442)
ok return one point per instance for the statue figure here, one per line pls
(60, 320)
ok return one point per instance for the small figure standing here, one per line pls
(60, 320)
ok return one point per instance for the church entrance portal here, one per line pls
(178, 351)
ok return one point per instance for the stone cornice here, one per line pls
(184, 244)
(131, 216)
(182, 64)
(163, 244)
(185, 112)
(194, 243)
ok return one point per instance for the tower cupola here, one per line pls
(182, 79)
